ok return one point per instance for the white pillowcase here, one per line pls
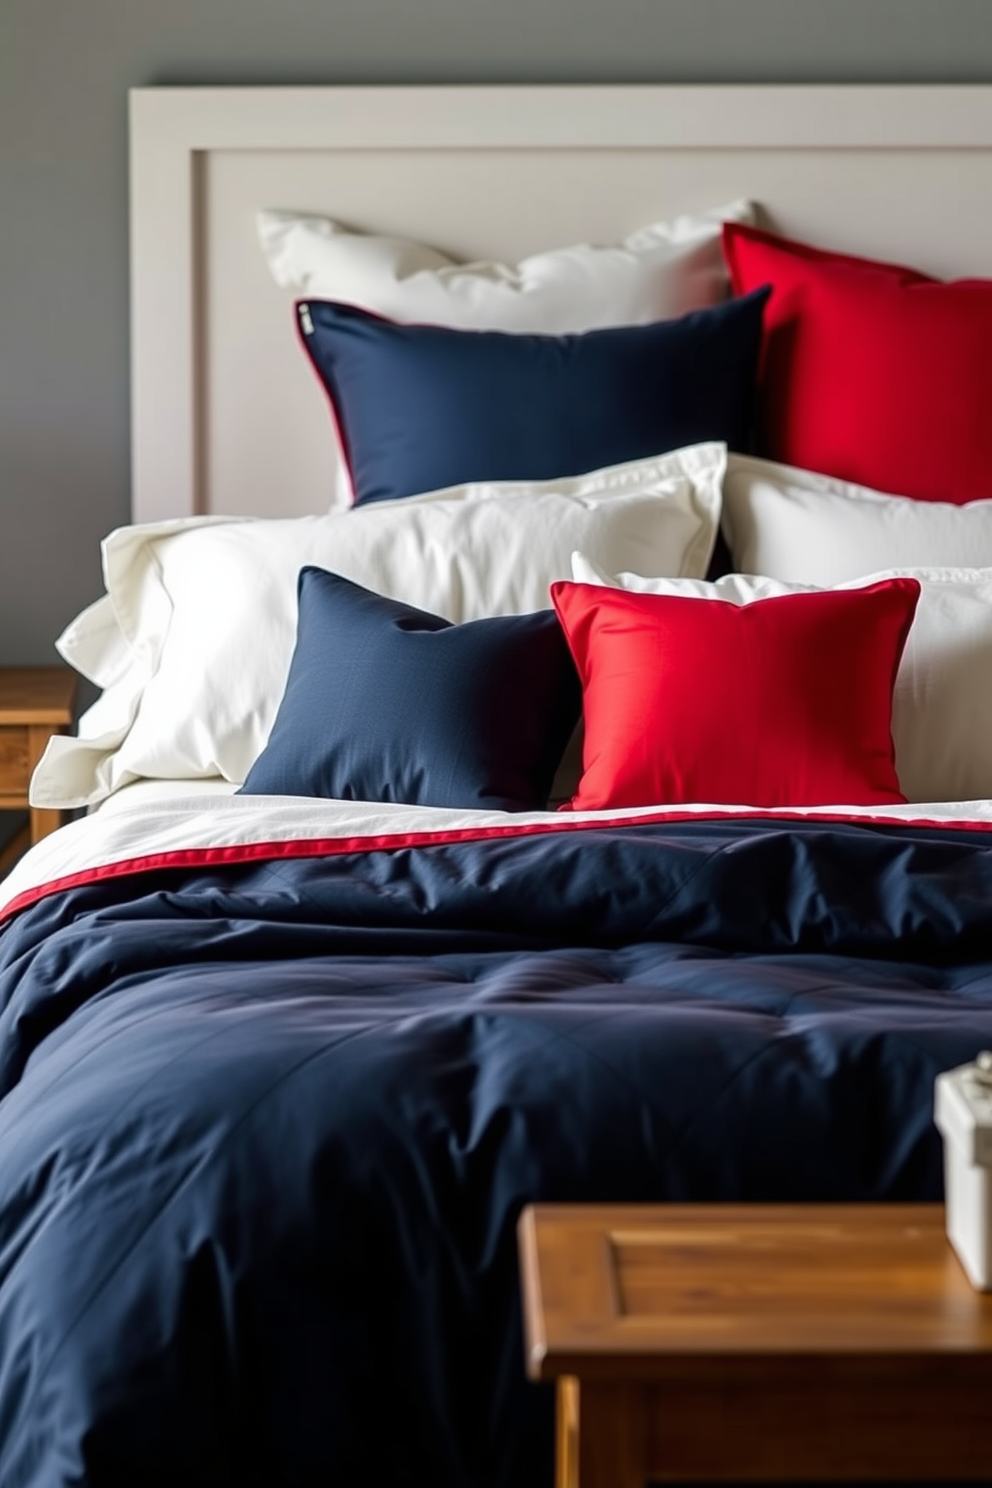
(811, 529)
(660, 271)
(942, 703)
(193, 640)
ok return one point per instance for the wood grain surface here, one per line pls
(35, 703)
(36, 695)
(757, 1342)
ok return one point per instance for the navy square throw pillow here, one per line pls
(422, 407)
(385, 702)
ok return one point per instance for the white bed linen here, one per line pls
(804, 528)
(662, 270)
(146, 793)
(187, 830)
(192, 642)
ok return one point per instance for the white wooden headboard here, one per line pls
(226, 415)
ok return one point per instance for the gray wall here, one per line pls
(65, 66)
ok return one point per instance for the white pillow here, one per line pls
(193, 639)
(942, 703)
(811, 529)
(660, 271)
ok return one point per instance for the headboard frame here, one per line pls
(225, 414)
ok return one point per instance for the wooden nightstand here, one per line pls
(35, 702)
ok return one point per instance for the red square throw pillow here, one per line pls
(871, 372)
(783, 702)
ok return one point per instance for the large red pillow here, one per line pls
(871, 372)
(782, 702)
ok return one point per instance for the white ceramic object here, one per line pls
(963, 1113)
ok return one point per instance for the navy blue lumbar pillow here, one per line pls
(421, 407)
(388, 703)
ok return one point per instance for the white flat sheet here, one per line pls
(188, 826)
(150, 792)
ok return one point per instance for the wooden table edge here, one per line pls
(531, 1299)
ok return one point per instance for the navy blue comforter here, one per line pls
(265, 1130)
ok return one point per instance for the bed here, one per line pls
(309, 1000)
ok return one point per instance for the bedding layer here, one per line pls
(266, 1127)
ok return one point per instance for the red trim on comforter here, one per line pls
(315, 847)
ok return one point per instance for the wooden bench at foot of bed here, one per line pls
(757, 1342)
